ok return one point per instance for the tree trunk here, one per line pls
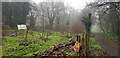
(51, 25)
(32, 23)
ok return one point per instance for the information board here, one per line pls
(21, 27)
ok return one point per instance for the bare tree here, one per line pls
(51, 11)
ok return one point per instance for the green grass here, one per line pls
(11, 46)
(112, 37)
(0, 51)
(7, 30)
(95, 47)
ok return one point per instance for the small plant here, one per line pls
(63, 51)
(95, 47)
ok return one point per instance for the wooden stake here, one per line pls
(26, 34)
(82, 43)
(86, 43)
(79, 47)
(77, 37)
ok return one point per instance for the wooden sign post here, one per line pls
(23, 28)
(79, 45)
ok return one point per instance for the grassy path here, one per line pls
(107, 45)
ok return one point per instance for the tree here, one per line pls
(108, 16)
(32, 15)
(88, 22)
(6, 14)
(15, 13)
(51, 10)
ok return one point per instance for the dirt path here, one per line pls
(107, 45)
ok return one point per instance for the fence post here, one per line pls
(83, 47)
(78, 39)
(80, 46)
(87, 43)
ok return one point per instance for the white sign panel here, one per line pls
(21, 27)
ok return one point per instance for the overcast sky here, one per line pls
(76, 4)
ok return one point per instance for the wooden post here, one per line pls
(27, 32)
(86, 44)
(80, 46)
(82, 43)
(77, 37)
